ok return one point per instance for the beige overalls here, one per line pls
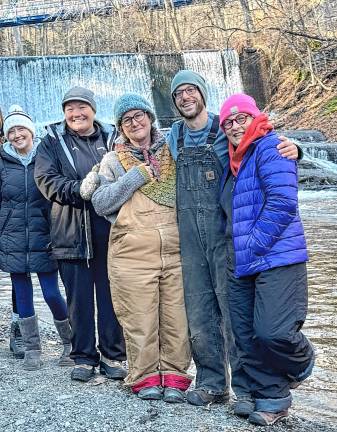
(147, 293)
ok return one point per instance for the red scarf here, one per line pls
(258, 128)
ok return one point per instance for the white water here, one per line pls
(222, 74)
(39, 83)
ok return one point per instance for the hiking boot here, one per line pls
(64, 331)
(112, 369)
(263, 418)
(173, 395)
(82, 373)
(151, 393)
(201, 397)
(16, 345)
(243, 407)
(31, 339)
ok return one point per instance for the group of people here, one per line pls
(191, 244)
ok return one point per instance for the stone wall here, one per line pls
(253, 66)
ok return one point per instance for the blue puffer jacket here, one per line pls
(24, 219)
(267, 229)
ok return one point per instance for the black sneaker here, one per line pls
(264, 418)
(113, 370)
(173, 395)
(243, 407)
(82, 373)
(201, 397)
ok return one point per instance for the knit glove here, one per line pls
(90, 183)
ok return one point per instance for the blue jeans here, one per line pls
(204, 266)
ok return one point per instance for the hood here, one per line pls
(9, 149)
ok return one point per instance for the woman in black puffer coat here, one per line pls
(15, 340)
(25, 237)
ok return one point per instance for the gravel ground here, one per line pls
(47, 400)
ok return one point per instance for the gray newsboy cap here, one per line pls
(80, 94)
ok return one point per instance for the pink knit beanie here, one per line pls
(238, 103)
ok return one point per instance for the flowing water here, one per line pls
(318, 396)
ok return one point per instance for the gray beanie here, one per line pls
(131, 101)
(79, 94)
(17, 117)
(189, 77)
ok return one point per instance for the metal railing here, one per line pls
(24, 8)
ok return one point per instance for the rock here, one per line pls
(307, 135)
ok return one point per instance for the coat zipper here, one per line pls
(26, 218)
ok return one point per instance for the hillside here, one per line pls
(298, 106)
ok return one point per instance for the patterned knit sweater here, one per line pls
(121, 176)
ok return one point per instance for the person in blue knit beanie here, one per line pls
(135, 190)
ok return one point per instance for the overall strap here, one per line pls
(213, 131)
(210, 138)
(180, 142)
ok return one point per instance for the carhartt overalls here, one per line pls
(203, 260)
(147, 293)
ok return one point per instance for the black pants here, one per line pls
(81, 283)
(267, 312)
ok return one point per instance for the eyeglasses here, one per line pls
(190, 91)
(138, 117)
(239, 119)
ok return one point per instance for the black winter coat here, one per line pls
(58, 180)
(24, 220)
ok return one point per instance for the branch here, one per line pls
(277, 29)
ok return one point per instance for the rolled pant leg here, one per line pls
(134, 271)
(78, 282)
(175, 353)
(110, 334)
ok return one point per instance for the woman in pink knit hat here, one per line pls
(266, 270)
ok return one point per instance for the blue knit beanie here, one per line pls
(189, 77)
(131, 101)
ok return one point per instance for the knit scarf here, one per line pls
(158, 157)
(259, 127)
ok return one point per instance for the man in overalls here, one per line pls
(200, 149)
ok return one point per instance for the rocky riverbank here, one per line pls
(47, 400)
(297, 105)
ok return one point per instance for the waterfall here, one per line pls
(39, 83)
(222, 72)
